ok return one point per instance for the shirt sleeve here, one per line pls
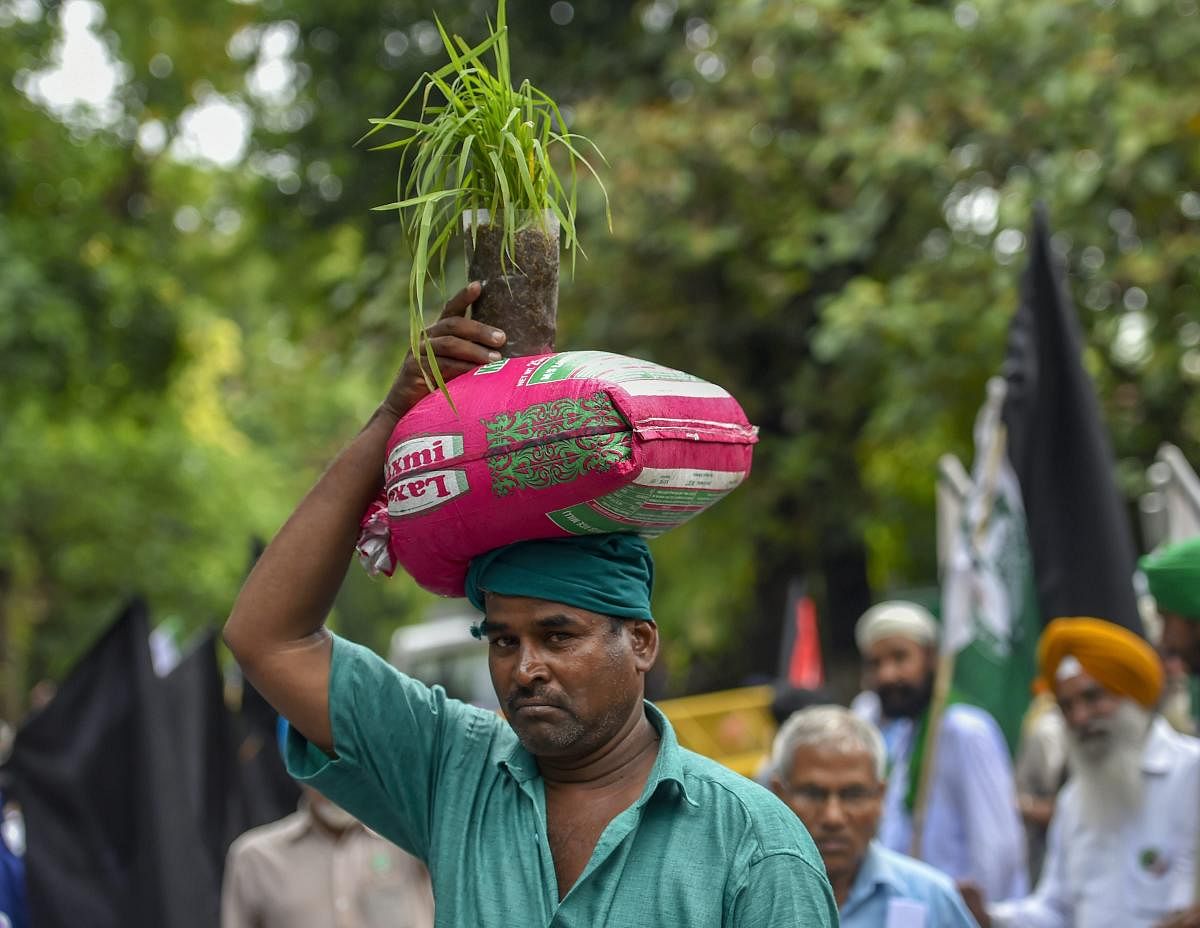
(393, 737)
(1048, 907)
(950, 911)
(1042, 757)
(987, 798)
(784, 891)
(238, 903)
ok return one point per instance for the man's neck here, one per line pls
(888, 720)
(842, 881)
(914, 717)
(629, 754)
(333, 831)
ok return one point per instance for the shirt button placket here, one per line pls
(341, 906)
(343, 885)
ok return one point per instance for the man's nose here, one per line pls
(531, 669)
(833, 813)
(1079, 716)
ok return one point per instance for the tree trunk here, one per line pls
(520, 291)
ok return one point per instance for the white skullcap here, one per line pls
(896, 618)
(1070, 667)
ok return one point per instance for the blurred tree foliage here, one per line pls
(821, 205)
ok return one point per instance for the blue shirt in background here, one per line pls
(972, 830)
(894, 891)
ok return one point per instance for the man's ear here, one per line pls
(777, 786)
(643, 636)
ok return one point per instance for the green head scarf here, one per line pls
(1173, 573)
(612, 574)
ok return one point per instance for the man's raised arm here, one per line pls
(277, 627)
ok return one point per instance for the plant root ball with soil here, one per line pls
(520, 294)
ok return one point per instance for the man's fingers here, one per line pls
(1188, 919)
(450, 368)
(458, 344)
(457, 304)
(453, 348)
(466, 329)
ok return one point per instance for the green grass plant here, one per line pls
(478, 143)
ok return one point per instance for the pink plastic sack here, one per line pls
(549, 446)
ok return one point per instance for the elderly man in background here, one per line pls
(829, 768)
(972, 827)
(322, 868)
(1122, 846)
(1040, 772)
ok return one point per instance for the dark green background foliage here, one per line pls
(819, 205)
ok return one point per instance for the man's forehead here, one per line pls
(892, 644)
(836, 762)
(1074, 681)
(504, 609)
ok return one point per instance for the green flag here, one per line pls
(989, 608)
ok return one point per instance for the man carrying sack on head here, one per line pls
(581, 809)
(1122, 845)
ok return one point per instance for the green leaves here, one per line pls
(485, 146)
(811, 230)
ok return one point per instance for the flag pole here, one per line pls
(944, 674)
(937, 707)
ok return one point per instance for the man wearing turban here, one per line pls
(1122, 844)
(972, 825)
(1173, 574)
(581, 809)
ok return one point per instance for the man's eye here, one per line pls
(501, 641)
(560, 637)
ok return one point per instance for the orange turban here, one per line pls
(1116, 658)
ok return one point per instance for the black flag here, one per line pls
(1079, 535)
(110, 824)
(233, 777)
(263, 792)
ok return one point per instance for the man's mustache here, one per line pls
(1091, 732)
(536, 696)
(902, 690)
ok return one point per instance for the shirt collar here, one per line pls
(305, 823)
(874, 871)
(1159, 753)
(668, 766)
(302, 823)
(518, 762)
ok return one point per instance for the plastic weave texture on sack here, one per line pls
(550, 446)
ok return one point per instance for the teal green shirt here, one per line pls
(451, 783)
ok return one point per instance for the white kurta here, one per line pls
(972, 826)
(1131, 876)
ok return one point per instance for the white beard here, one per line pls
(1108, 771)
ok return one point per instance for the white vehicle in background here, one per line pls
(442, 650)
